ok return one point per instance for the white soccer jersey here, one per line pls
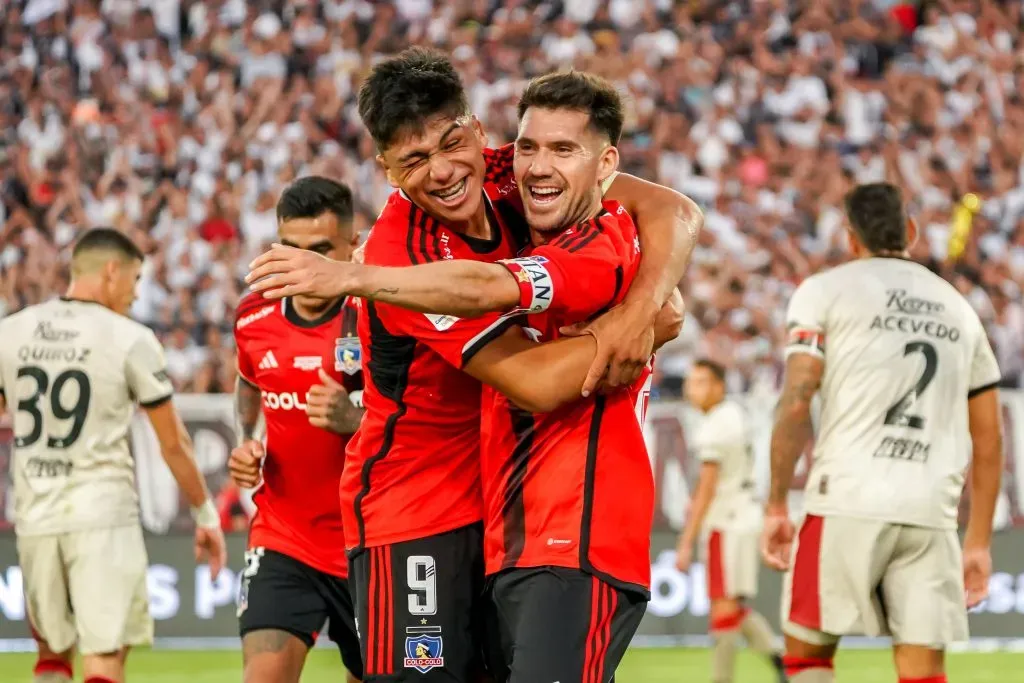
(903, 351)
(71, 373)
(722, 436)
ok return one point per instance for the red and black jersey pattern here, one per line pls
(499, 165)
(280, 353)
(543, 474)
(414, 467)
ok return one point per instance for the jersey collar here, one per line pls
(292, 316)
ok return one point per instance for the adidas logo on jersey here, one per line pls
(268, 362)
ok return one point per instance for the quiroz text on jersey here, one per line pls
(68, 354)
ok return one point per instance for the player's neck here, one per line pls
(478, 226)
(886, 253)
(310, 313)
(82, 291)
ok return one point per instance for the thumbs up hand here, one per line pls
(328, 406)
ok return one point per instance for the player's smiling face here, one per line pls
(560, 162)
(441, 167)
(325, 234)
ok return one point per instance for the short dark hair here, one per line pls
(402, 92)
(716, 369)
(313, 196)
(580, 91)
(109, 240)
(876, 214)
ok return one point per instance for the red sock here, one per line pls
(99, 679)
(930, 679)
(794, 665)
(53, 666)
(730, 622)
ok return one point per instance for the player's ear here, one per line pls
(608, 163)
(392, 180)
(856, 248)
(912, 232)
(478, 131)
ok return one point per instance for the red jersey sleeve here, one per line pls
(580, 272)
(251, 308)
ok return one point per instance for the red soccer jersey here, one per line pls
(571, 488)
(413, 469)
(280, 354)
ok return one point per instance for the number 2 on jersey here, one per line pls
(75, 412)
(897, 414)
(421, 575)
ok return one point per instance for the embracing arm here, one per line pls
(462, 288)
(669, 224)
(539, 378)
(793, 428)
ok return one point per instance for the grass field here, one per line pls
(640, 666)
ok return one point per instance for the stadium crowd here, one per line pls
(180, 121)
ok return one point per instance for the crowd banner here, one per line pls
(188, 604)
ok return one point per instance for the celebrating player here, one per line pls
(73, 370)
(723, 510)
(422, 432)
(551, 557)
(908, 386)
(298, 360)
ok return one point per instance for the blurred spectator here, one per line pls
(179, 122)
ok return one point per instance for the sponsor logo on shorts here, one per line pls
(423, 651)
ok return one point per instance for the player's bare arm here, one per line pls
(699, 505)
(462, 288)
(541, 378)
(669, 224)
(176, 448)
(986, 482)
(790, 434)
(247, 408)
(246, 458)
(330, 407)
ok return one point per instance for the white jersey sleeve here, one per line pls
(146, 371)
(805, 320)
(984, 368)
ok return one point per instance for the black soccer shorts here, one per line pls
(420, 608)
(280, 593)
(550, 624)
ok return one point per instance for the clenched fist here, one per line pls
(245, 463)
